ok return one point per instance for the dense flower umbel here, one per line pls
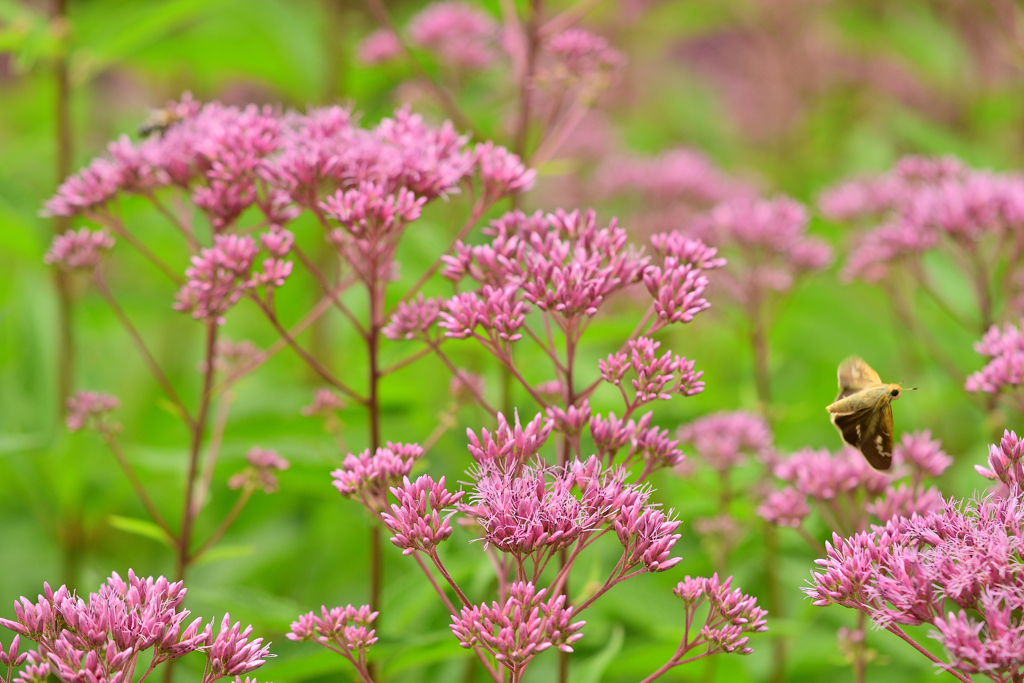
(922, 203)
(458, 34)
(733, 615)
(99, 640)
(529, 622)
(724, 440)
(367, 477)
(346, 630)
(90, 408)
(1005, 370)
(957, 568)
(843, 485)
(416, 519)
(260, 474)
(83, 249)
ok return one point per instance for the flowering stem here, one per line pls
(373, 337)
(677, 660)
(117, 226)
(330, 293)
(550, 145)
(451, 610)
(859, 658)
(278, 345)
(395, 367)
(479, 206)
(220, 420)
(62, 279)
(225, 524)
(812, 541)
(136, 483)
(185, 230)
(893, 628)
(432, 554)
(444, 97)
(455, 372)
(199, 424)
(324, 373)
(140, 344)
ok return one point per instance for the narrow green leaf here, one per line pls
(591, 670)
(226, 552)
(139, 527)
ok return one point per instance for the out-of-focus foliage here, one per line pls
(790, 96)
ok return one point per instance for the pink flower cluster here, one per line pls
(221, 275)
(346, 630)
(364, 185)
(79, 250)
(921, 202)
(263, 464)
(1005, 370)
(368, 477)
(416, 519)
(562, 264)
(725, 440)
(527, 623)
(842, 484)
(100, 639)
(770, 242)
(580, 57)
(732, 615)
(657, 377)
(957, 568)
(459, 35)
(87, 408)
(675, 175)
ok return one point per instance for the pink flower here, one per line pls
(260, 473)
(787, 507)
(100, 638)
(922, 453)
(521, 628)
(416, 519)
(732, 615)
(380, 46)
(325, 402)
(657, 377)
(413, 319)
(368, 478)
(83, 249)
(459, 34)
(579, 55)
(724, 440)
(1005, 370)
(90, 407)
(676, 175)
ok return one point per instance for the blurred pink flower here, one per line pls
(457, 33)
(87, 408)
(380, 46)
(83, 249)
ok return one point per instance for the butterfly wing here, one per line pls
(852, 426)
(876, 439)
(854, 375)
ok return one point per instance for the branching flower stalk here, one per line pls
(101, 638)
(250, 172)
(956, 568)
(937, 205)
(849, 496)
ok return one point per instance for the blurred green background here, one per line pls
(793, 95)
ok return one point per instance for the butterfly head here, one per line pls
(896, 390)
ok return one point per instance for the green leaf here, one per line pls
(226, 552)
(591, 670)
(139, 527)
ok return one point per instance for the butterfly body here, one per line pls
(862, 411)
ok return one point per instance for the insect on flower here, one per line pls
(862, 411)
(159, 121)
